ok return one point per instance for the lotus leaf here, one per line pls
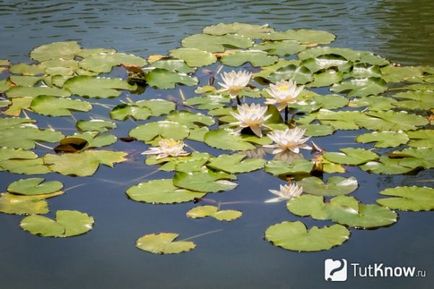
(25, 137)
(335, 186)
(34, 186)
(280, 48)
(88, 86)
(213, 212)
(22, 91)
(56, 106)
(254, 57)
(25, 205)
(165, 79)
(351, 156)
(384, 139)
(204, 181)
(194, 57)
(84, 163)
(165, 129)
(295, 236)
(56, 50)
(361, 87)
(305, 36)
(67, 224)
(176, 65)
(161, 192)
(298, 166)
(164, 243)
(98, 125)
(226, 139)
(408, 198)
(248, 30)
(104, 62)
(423, 138)
(213, 43)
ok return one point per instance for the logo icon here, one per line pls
(335, 270)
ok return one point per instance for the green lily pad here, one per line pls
(27, 69)
(142, 109)
(95, 139)
(176, 65)
(254, 57)
(349, 54)
(34, 186)
(281, 168)
(280, 48)
(190, 120)
(235, 163)
(84, 163)
(423, 138)
(25, 205)
(67, 224)
(408, 198)
(344, 210)
(326, 78)
(300, 75)
(335, 186)
(161, 192)
(164, 243)
(325, 62)
(213, 212)
(165, 129)
(390, 166)
(361, 87)
(56, 106)
(295, 236)
(384, 139)
(415, 100)
(416, 157)
(55, 50)
(392, 120)
(204, 181)
(99, 125)
(401, 73)
(24, 166)
(227, 140)
(88, 86)
(374, 103)
(104, 62)
(25, 137)
(190, 163)
(213, 43)
(305, 36)
(24, 80)
(351, 156)
(194, 57)
(248, 30)
(22, 91)
(165, 79)
(317, 129)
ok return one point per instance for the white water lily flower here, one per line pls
(288, 140)
(283, 93)
(167, 148)
(252, 116)
(234, 81)
(286, 192)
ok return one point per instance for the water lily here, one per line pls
(283, 93)
(288, 140)
(234, 82)
(252, 116)
(286, 192)
(167, 148)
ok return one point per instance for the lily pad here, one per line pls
(165, 129)
(235, 163)
(361, 87)
(213, 43)
(99, 125)
(88, 86)
(421, 138)
(213, 212)
(335, 186)
(204, 181)
(161, 192)
(351, 156)
(25, 137)
(227, 140)
(249, 30)
(344, 210)
(281, 168)
(305, 36)
(176, 65)
(56, 50)
(164, 243)
(34, 186)
(295, 236)
(194, 57)
(84, 163)
(67, 224)
(189, 119)
(143, 109)
(165, 79)
(280, 48)
(384, 139)
(25, 205)
(56, 106)
(22, 91)
(408, 198)
(254, 57)
(104, 62)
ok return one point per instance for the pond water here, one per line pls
(232, 255)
